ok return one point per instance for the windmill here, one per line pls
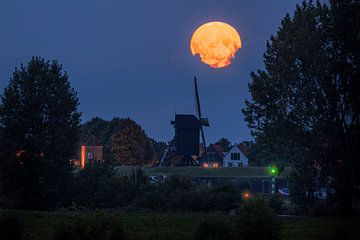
(184, 148)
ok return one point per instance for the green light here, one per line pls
(273, 170)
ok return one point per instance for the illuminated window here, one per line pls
(205, 165)
(235, 156)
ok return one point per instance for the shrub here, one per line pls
(256, 221)
(11, 227)
(225, 196)
(275, 202)
(90, 228)
(214, 230)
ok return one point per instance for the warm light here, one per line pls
(19, 153)
(205, 165)
(216, 43)
(82, 156)
(246, 195)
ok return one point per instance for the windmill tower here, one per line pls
(184, 148)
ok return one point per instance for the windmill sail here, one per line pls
(198, 111)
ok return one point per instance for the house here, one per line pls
(237, 156)
(91, 152)
(214, 159)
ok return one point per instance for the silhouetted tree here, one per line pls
(159, 148)
(104, 130)
(131, 146)
(225, 143)
(40, 122)
(305, 106)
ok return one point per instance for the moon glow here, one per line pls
(216, 43)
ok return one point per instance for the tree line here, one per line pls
(304, 109)
(124, 141)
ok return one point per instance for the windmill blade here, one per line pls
(197, 100)
(198, 111)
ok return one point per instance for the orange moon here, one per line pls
(216, 43)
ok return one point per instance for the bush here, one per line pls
(11, 227)
(214, 230)
(256, 221)
(90, 228)
(275, 202)
(225, 197)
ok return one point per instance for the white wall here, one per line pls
(235, 163)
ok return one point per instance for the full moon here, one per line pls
(216, 43)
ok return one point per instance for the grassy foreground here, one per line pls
(41, 225)
(205, 172)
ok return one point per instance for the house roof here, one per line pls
(93, 141)
(243, 148)
(217, 149)
(212, 148)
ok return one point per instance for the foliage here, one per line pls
(97, 186)
(40, 122)
(11, 227)
(131, 146)
(97, 227)
(105, 130)
(225, 143)
(255, 220)
(225, 196)
(214, 230)
(181, 226)
(159, 148)
(305, 106)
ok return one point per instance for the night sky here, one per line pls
(132, 58)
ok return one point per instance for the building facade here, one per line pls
(236, 157)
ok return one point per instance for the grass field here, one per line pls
(205, 172)
(40, 225)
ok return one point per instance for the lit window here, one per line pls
(205, 165)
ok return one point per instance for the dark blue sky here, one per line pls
(130, 58)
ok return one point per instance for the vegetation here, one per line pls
(305, 106)
(101, 187)
(40, 124)
(131, 146)
(206, 172)
(212, 229)
(97, 227)
(146, 151)
(225, 143)
(11, 226)
(160, 226)
(256, 220)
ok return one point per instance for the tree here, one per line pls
(159, 147)
(251, 215)
(225, 143)
(106, 129)
(131, 146)
(305, 106)
(40, 122)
